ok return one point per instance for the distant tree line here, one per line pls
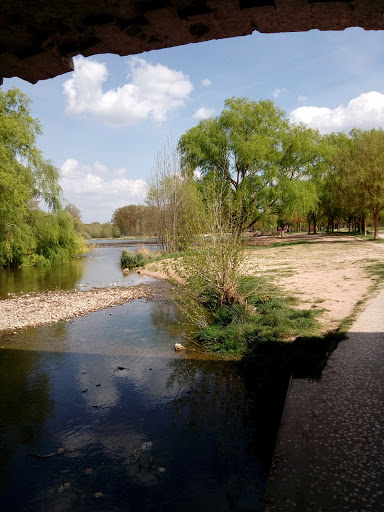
(132, 220)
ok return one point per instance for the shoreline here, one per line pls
(32, 310)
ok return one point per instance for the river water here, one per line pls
(101, 414)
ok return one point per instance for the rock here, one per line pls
(178, 346)
(145, 447)
(63, 487)
(98, 494)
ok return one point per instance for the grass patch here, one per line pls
(274, 339)
(376, 269)
(268, 317)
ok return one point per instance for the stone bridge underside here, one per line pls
(38, 38)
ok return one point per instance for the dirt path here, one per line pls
(30, 310)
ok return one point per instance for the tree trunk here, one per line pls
(364, 225)
(376, 214)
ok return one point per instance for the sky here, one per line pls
(104, 123)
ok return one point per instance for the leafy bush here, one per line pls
(131, 259)
(138, 258)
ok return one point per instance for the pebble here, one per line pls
(48, 307)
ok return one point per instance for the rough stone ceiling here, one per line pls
(38, 38)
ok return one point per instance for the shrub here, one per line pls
(131, 259)
(139, 257)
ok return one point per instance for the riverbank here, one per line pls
(31, 310)
(326, 273)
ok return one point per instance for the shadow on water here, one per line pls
(102, 414)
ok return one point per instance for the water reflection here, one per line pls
(99, 268)
(138, 426)
(31, 279)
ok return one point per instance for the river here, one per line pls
(101, 414)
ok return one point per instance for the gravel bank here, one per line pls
(31, 310)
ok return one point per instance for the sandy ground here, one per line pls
(30, 310)
(329, 274)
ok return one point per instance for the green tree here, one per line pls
(131, 219)
(26, 178)
(360, 164)
(258, 152)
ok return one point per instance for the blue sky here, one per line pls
(104, 123)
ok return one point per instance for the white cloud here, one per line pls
(98, 191)
(206, 82)
(203, 113)
(152, 92)
(278, 92)
(365, 112)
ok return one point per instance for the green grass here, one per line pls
(269, 317)
(376, 269)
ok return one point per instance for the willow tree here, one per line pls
(258, 152)
(26, 178)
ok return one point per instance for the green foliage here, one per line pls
(210, 273)
(265, 161)
(29, 236)
(133, 219)
(97, 230)
(232, 313)
(138, 258)
(130, 259)
(57, 241)
(360, 164)
(266, 318)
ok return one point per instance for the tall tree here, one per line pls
(257, 151)
(25, 179)
(361, 166)
(173, 200)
